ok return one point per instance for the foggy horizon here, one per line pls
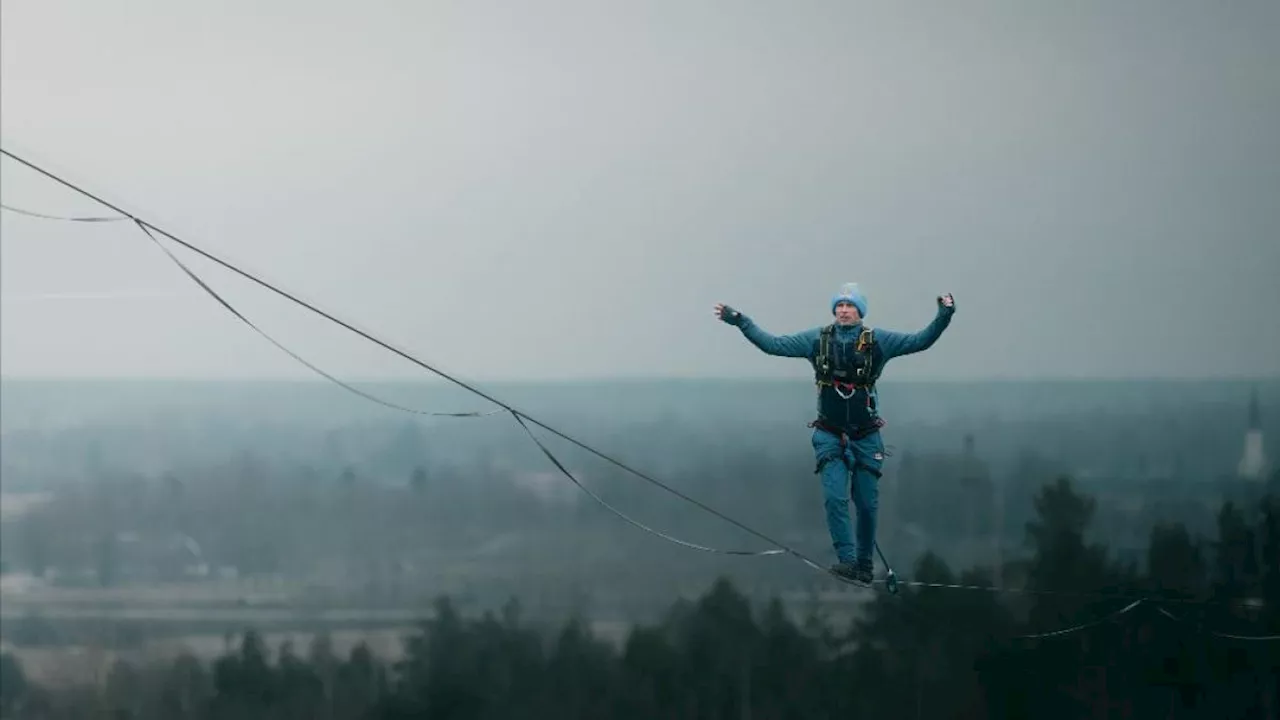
(1091, 185)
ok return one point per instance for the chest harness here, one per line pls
(845, 379)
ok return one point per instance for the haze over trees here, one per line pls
(513, 572)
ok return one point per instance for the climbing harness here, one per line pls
(846, 436)
(845, 376)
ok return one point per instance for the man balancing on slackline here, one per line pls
(847, 359)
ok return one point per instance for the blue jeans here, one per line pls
(863, 458)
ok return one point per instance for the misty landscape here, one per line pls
(444, 360)
(149, 526)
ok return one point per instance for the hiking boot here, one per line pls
(853, 573)
(865, 573)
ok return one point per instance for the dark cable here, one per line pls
(1215, 633)
(226, 304)
(190, 273)
(565, 471)
(1083, 626)
(205, 286)
(382, 343)
(521, 417)
(68, 218)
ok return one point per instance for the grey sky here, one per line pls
(565, 190)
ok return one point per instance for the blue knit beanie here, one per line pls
(850, 293)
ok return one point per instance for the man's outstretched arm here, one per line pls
(799, 345)
(896, 344)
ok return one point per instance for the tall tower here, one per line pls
(1253, 462)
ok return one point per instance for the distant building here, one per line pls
(1253, 461)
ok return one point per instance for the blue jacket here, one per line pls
(859, 410)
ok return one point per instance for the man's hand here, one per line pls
(727, 314)
(947, 301)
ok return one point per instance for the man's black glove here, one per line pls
(731, 316)
(948, 302)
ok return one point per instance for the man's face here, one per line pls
(846, 313)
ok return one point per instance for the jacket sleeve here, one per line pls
(896, 344)
(799, 345)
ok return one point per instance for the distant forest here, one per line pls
(1171, 641)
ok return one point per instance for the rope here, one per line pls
(1229, 636)
(1083, 594)
(521, 417)
(68, 218)
(1083, 626)
(205, 286)
(1136, 601)
(564, 471)
(407, 356)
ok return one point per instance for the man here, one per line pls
(847, 358)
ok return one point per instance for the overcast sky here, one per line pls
(564, 189)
